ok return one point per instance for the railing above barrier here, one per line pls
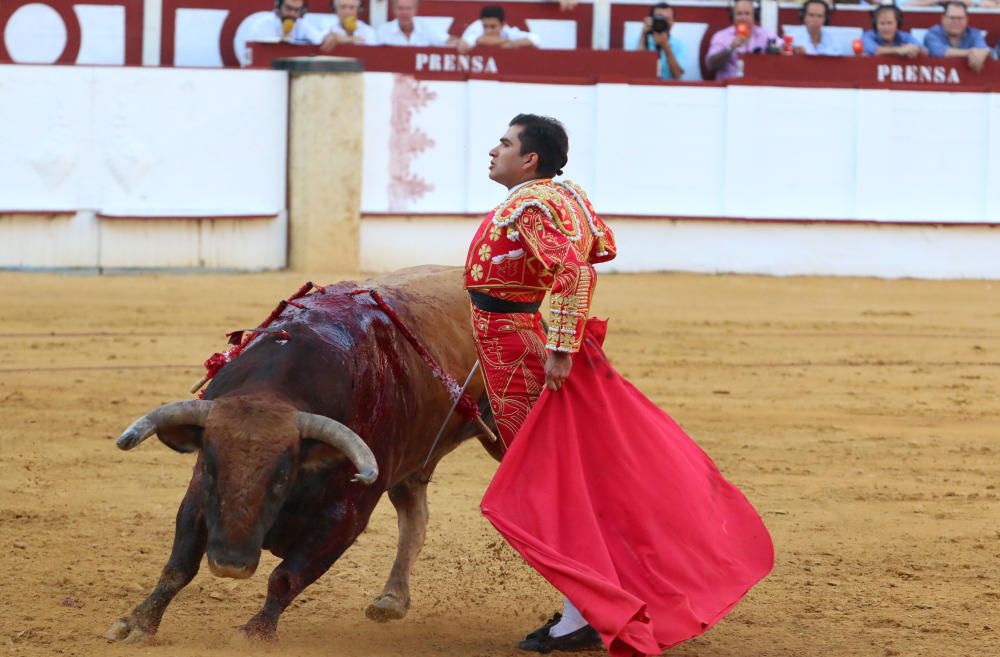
(577, 66)
(212, 32)
(919, 74)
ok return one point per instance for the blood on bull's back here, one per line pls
(346, 359)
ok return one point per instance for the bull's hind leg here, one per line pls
(185, 558)
(409, 497)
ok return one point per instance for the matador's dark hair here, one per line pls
(546, 137)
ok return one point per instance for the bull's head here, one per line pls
(250, 457)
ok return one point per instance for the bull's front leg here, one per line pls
(190, 538)
(409, 498)
(309, 558)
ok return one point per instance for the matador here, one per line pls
(543, 238)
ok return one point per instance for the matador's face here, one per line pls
(507, 165)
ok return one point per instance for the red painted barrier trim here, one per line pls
(44, 213)
(71, 52)
(979, 89)
(113, 217)
(238, 11)
(575, 66)
(382, 216)
(65, 10)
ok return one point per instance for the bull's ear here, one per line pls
(314, 455)
(183, 438)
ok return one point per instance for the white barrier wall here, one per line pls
(143, 142)
(718, 246)
(128, 164)
(677, 151)
(187, 168)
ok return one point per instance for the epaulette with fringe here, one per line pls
(545, 196)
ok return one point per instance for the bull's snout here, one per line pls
(231, 570)
(229, 561)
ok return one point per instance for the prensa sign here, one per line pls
(918, 74)
(447, 63)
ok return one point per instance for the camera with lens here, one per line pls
(660, 24)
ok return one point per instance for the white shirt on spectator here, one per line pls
(389, 34)
(828, 45)
(331, 23)
(268, 27)
(509, 32)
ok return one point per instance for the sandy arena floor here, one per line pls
(860, 416)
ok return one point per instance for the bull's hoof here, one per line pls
(385, 608)
(127, 630)
(259, 631)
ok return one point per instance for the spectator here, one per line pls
(285, 23)
(886, 37)
(815, 40)
(405, 30)
(656, 36)
(491, 30)
(954, 38)
(346, 28)
(728, 45)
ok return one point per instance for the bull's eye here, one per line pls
(280, 482)
(282, 474)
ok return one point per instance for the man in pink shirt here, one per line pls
(728, 45)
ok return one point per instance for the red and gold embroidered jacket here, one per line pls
(543, 237)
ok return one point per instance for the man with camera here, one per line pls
(744, 36)
(656, 36)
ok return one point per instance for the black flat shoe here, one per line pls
(584, 638)
(544, 629)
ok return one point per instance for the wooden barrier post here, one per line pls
(325, 143)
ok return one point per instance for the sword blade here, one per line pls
(451, 411)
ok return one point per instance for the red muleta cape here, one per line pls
(620, 510)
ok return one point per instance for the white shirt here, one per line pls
(509, 32)
(267, 26)
(389, 34)
(331, 23)
(828, 45)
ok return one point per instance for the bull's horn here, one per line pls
(341, 438)
(193, 411)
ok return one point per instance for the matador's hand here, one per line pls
(557, 369)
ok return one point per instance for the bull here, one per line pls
(298, 438)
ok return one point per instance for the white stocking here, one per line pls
(571, 620)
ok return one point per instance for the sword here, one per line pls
(451, 411)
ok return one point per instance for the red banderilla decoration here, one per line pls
(241, 339)
(465, 404)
